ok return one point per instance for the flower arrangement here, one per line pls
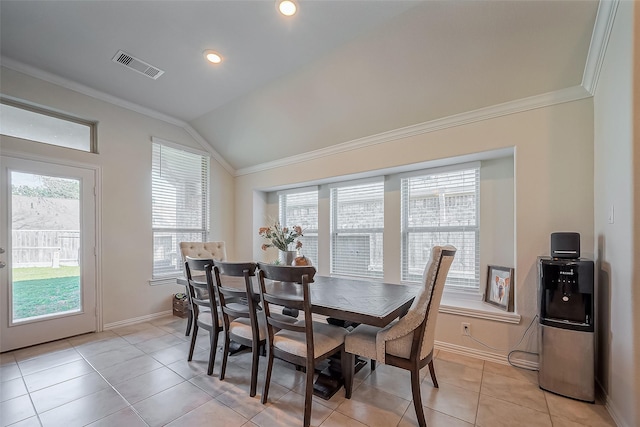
(280, 237)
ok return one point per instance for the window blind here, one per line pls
(439, 209)
(180, 205)
(302, 209)
(357, 225)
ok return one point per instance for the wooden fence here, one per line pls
(45, 248)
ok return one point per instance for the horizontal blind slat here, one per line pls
(179, 185)
(439, 209)
(301, 209)
(357, 230)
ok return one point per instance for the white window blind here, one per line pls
(302, 209)
(439, 209)
(357, 225)
(180, 205)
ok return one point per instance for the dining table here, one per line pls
(345, 301)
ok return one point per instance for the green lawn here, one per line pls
(39, 291)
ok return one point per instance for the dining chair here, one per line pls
(203, 250)
(407, 343)
(205, 310)
(243, 321)
(303, 343)
(240, 320)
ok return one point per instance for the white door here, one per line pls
(47, 241)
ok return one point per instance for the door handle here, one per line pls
(1, 250)
(2, 264)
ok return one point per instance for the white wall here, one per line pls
(618, 298)
(124, 144)
(553, 192)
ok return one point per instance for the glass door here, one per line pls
(48, 285)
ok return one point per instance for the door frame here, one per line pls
(97, 173)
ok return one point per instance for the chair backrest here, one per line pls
(205, 250)
(420, 320)
(427, 302)
(195, 288)
(231, 298)
(292, 292)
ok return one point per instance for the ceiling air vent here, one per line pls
(138, 65)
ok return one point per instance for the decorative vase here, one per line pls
(287, 257)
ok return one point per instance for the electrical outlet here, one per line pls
(466, 328)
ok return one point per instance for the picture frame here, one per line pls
(499, 290)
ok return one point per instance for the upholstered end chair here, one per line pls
(209, 250)
(201, 250)
(408, 342)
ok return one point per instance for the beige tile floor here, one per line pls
(139, 376)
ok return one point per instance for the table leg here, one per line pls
(330, 378)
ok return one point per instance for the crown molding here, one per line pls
(102, 96)
(599, 40)
(573, 93)
(602, 29)
(85, 90)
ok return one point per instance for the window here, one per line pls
(180, 204)
(301, 208)
(48, 127)
(357, 225)
(442, 208)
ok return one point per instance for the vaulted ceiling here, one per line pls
(335, 72)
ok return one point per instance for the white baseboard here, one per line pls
(135, 320)
(483, 355)
(611, 408)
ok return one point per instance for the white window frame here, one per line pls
(450, 287)
(50, 127)
(199, 233)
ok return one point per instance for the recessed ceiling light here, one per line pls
(287, 7)
(213, 56)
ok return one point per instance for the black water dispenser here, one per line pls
(566, 334)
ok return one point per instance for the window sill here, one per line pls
(163, 281)
(478, 309)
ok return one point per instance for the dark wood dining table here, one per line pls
(368, 301)
(360, 301)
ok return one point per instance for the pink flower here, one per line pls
(280, 237)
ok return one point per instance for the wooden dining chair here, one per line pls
(303, 343)
(202, 250)
(240, 321)
(407, 343)
(205, 310)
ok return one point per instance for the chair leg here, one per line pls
(348, 361)
(308, 394)
(225, 355)
(193, 341)
(432, 371)
(255, 349)
(373, 365)
(212, 351)
(189, 322)
(267, 378)
(417, 399)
